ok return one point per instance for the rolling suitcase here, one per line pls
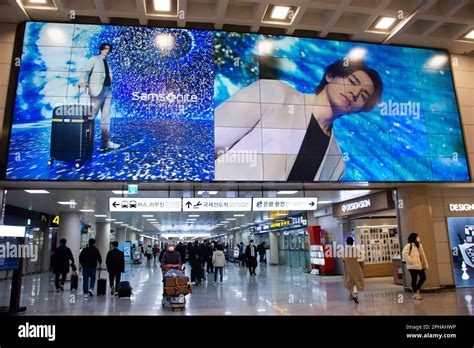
(74, 281)
(72, 134)
(101, 286)
(124, 289)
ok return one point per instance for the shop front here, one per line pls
(372, 222)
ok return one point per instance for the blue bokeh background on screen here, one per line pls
(172, 141)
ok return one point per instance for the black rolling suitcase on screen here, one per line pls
(124, 289)
(72, 134)
(101, 286)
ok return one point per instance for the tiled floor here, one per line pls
(276, 290)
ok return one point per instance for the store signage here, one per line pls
(461, 207)
(217, 204)
(367, 204)
(283, 224)
(144, 204)
(294, 203)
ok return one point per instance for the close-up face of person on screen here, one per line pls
(350, 87)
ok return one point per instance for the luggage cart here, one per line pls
(173, 298)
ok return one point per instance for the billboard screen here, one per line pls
(122, 103)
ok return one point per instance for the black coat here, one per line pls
(195, 257)
(60, 261)
(251, 261)
(171, 258)
(90, 257)
(115, 261)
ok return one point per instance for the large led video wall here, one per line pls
(98, 102)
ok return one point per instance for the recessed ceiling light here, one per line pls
(147, 216)
(231, 219)
(191, 219)
(36, 191)
(87, 210)
(286, 192)
(162, 5)
(385, 23)
(151, 219)
(68, 203)
(280, 12)
(194, 215)
(470, 35)
(119, 192)
(239, 215)
(225, 222)
(37, 1)
(110, 220)
(100, 215)
(118, 222)
(209, 192)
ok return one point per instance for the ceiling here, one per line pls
(429, 23)
(99, 201)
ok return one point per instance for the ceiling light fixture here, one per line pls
(148, 216)
(119, 192)
(209, 192)
(37, 191)
(286, 192)
(280, 12)
(86, 210)
(239, 215)
(162, 5)
(194, 215)
(385, 23)
(68, 203)
(470, 35)
(109, 220)
(100, 215)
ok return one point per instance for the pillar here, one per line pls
(46, 251)
(70, 229)
(102, 239)
(120, 235)
(131, 235)
(273, 248)
(415, 216)
(237, 238)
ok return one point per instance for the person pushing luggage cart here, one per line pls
(175, 282)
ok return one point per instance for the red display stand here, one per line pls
(319, 258)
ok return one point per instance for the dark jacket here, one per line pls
(90, 257)
(115, 261)
(182, 252)
(171, 258)
(195, 257)
(61, 257)
(251, 261)
(261, 249)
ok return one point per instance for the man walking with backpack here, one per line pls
(89, 259)
(115, 262)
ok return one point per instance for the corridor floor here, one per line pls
(276, 290)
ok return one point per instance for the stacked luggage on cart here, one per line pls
(175, 287)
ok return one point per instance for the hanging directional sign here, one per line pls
(217, 204)
(293, 203)
(144, 204)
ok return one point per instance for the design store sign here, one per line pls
(459, 207)
(367, 204)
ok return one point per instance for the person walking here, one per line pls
(115, 262)
(353, 270)
(156, 251)
(251, 257)
(262, 252)
(414, 256)
(242, 254)
(195, 261)
(210, 251)
(218, 261)
(60, 263)
(89, 259)
(148, 253)
(171, 256)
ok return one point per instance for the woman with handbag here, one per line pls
(415, 257)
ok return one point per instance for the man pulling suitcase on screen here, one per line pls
(97, 77)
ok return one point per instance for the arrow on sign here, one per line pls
(311, 204)
(198, 204)
(188, 204)
(115, 204)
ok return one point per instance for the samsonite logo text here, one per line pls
(37, 331)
